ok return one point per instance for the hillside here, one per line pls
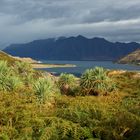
(39, 106)
(5, 57)
(72, 48)
(132, 58)
(11, 59)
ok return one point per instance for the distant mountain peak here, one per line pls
(81, 37)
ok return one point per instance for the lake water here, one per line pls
(83, 65)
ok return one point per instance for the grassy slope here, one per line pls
(132, 58)
(112, 117)
(6, 57)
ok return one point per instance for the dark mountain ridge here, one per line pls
(72, 48)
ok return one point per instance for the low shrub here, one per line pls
(105, 116)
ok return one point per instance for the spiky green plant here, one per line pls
(43, 89)
(5, 72)
(3, 83)
(4, 69)
(23, 68)
(14, 83)
(8, 80)
(66, 82)
(29, 79)
(96, 80)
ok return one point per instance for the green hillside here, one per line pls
(101, 105)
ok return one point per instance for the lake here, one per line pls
(83, 65)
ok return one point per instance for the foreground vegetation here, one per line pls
(98, 106)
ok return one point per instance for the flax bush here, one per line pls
(95, 81)
(45, 89)
(9, 81)
(67, 83)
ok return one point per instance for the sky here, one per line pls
(26, 20)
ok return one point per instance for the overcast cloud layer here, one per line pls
(27, 20)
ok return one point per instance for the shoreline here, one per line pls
(42, 65)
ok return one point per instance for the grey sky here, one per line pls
(26, 20)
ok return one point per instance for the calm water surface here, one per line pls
(83, 65)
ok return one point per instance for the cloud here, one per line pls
(24, 21)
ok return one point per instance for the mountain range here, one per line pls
(72, 48)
